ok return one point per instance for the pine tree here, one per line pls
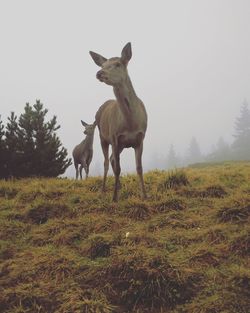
(26, 141)
(241, 144)
(12, 147)
(48, 157)
(33, 145)
(194, 152)
(3, 152)
(222, 152)
(172, 160)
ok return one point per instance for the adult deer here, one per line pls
(122, 122)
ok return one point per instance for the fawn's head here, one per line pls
(114, 70)
(89, 128)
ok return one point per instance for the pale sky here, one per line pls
(190, 65)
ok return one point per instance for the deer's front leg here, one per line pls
(77, 172)
(105, 150)
(117, 170)
(138, 159)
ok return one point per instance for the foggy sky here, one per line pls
(190, 65)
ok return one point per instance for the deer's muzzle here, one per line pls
(99, 75)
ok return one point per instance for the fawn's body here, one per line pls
(83, 153)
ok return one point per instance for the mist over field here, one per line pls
(190, 66)
(175, 237)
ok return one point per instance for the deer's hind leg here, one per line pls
(85, 166)
(80, 170)
(112, 161)
(88, 161)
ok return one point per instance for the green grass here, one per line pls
(67, 248)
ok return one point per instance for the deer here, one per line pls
(83, 153)
(122, 122)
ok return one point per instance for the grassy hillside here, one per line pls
(65, 247)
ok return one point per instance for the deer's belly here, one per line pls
(127, 140)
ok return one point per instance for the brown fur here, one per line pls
(83, 153)
(122, 122)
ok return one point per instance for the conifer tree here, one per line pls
(194, 152)
(3, 152)
(49, 158)
(12, 147)
(241, 144)
(221, 152)
(26, 141)
(172, 160)
(33, 145)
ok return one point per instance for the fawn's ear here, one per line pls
(126, 53)
(84, 124)
(98, 59)
(95, 123)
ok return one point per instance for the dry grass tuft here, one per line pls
(215, 191)
(234, 214)
(8, 192)
(137, 210)
(99, 248)
(150, 281)
(41, 213)
(174, 180)
(170, 204)
(241, 244)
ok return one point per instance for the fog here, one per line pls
(190, 66)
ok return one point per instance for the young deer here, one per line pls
(122, 122)
(83, 153)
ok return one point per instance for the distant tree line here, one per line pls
(222, 151)
(29, 145)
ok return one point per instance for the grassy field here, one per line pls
(65, 247)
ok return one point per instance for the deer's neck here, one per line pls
(126, 98)
(88, 141)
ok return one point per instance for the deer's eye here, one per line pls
(117, 64)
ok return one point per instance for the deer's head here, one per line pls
(89, 129)
(114, 70)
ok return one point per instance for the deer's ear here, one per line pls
(84, 124)
(126, 53)
(98, 59)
